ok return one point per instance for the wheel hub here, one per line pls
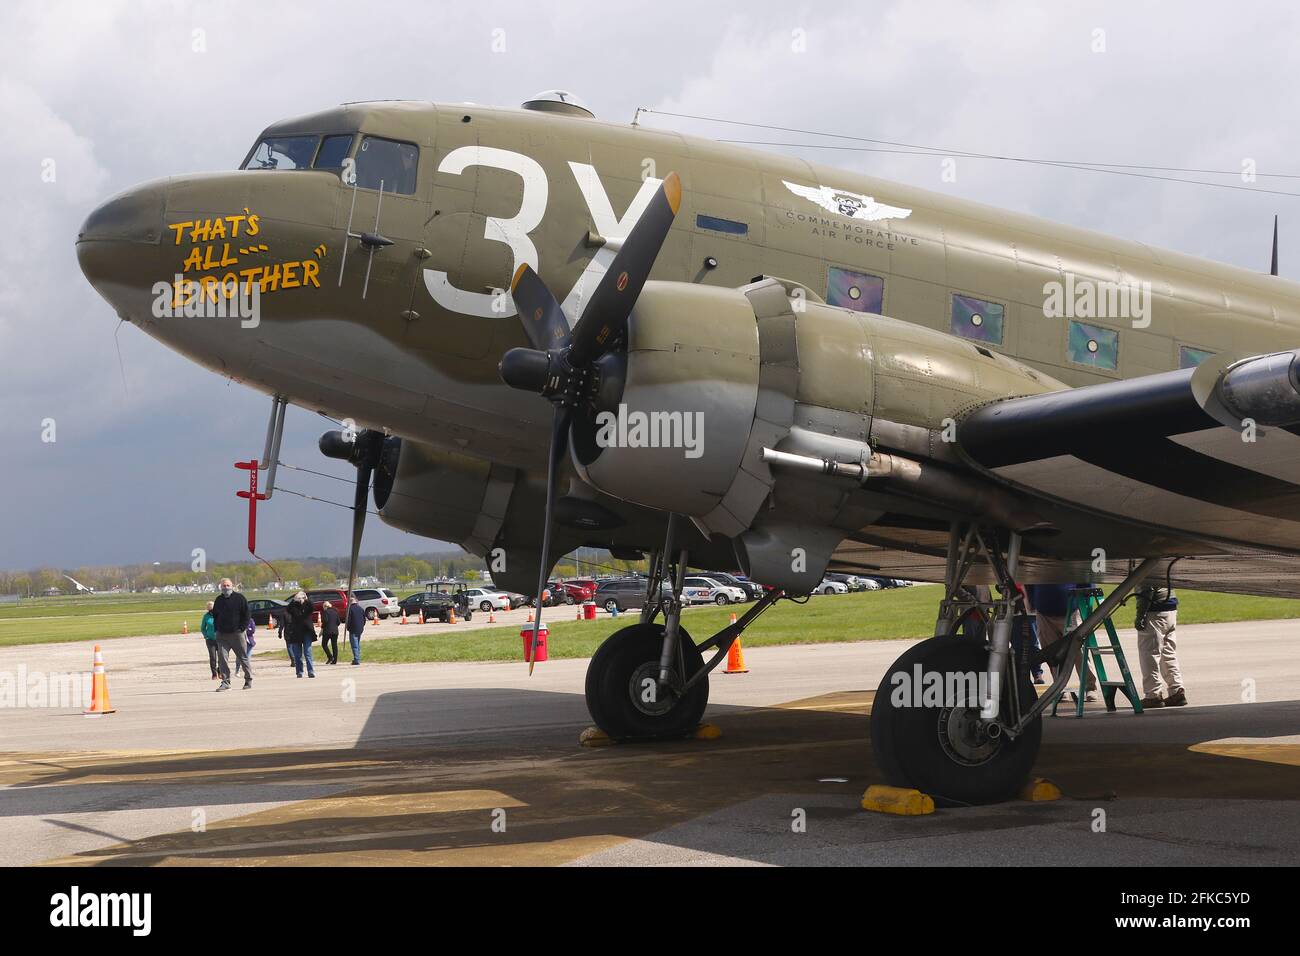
(964, 737)
(648, 696)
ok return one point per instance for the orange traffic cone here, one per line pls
(492, 616)
(451, 616)
(403, 615)
(270, 624)
(421, 615)
(530, 615)
(736, 659)
(185, 627)
(99, 689)
(579, 612)
(733, 617)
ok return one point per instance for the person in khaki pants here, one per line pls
(1157, 624)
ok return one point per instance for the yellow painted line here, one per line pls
(1288, 755)
(321, 810)
(847, 702)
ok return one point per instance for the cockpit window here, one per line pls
(389, 162)
(333, 150)
(283, 152)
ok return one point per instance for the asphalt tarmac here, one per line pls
(442, 764)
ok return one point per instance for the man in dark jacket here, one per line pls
(300, 632)
(329, 632)
(231, 617)
(356, 624)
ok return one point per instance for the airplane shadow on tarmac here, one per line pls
(434, 769)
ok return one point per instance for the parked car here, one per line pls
(753, 591)
(377, 602)
(624, 593)
(516, 599)
(831, 587)
(702, 594)
(486, 599)
(337, 598)
(722, 593)
(563, 592)
(587, 584)
(436, 605)
(264, 610)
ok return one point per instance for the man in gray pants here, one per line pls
(1157, 625)
(230, 614)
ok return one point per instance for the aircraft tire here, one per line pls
(616, 683)
(940, 750)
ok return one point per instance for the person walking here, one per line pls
(230, 616)
(329, 632)
(1050, 603)
(209, 630)
(1157, 623)
(356, 624)
(300, 632)
(250, 639)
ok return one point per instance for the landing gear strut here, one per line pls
(958, 718)
(650, 681)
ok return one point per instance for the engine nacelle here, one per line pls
(451, 497)
(678, 435)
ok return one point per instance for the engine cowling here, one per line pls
(675, 412)
(451, 497)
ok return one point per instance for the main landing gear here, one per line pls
(957, 716)
(650, 681)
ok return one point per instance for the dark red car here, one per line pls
(335, 596)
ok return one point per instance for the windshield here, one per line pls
(300, 151)
(283, 152)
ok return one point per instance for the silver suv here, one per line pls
(377, 602)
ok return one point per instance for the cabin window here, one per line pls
(976, 319)
(1093, 345)
(729, 226)
(333, 150)
(282, 152)
(1189, 357)
(855, 290)
(389, 162)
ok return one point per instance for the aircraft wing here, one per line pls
(1209, 454)
(918, 555)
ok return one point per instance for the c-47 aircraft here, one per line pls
(562, 332)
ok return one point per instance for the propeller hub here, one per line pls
(549, 374)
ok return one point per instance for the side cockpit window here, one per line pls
(283, 152)
(333, 150)
(389, 162)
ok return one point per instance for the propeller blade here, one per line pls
(544, 321)
(559, 444)
(604, 320)
(364, 470)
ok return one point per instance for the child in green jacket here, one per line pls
(209, 631)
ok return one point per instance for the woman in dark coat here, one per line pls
(300, 632)
(329, 632)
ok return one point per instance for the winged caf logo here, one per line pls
(852, 205)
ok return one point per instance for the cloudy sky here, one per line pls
(105, 94)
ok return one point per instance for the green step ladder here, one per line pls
(1082, 602)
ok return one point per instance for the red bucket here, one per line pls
(589, 610)
(542, 634)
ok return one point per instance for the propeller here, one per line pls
(573, 368)
(368, 450)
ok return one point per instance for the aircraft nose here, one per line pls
(120, 238)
